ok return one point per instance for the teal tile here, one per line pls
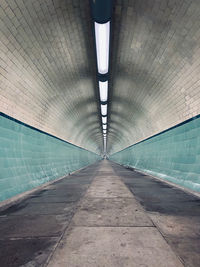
(29, 158)
(173, 155)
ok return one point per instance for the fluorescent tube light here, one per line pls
(104, 146)
(104, 110)
(102, 37)
(104, 127)
(104, 119)
(104, 131)
(103, 91)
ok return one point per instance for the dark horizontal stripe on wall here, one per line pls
(167, 130)
(172, 155)
(30, 157)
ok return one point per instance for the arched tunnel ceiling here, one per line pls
(48, 69)
(155, 68)
(47, 73)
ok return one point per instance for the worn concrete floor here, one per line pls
(104, 215)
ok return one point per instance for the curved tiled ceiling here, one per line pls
(155, 68)
(48, 68)
(47, 76)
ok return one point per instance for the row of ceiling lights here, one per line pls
(101, 10)
(102, 38)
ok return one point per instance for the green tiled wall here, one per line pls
(173, 155)
(29, 158)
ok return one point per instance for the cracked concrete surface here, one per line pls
(103, 215)
(111, 229)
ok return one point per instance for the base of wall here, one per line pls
(162, 180)
(172, 155)
(18, 198)
(30, 158)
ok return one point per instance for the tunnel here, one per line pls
(100, 133)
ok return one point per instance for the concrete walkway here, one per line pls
(104, 215)
(112, 229)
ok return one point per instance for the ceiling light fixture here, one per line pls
(104, 109)
(102, 37)
(103, 91)
(104, 119)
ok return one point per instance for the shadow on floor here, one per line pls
(174, 212)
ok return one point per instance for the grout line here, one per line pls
(28, 215)
(29, 237)
(108, 197)
(115, 226)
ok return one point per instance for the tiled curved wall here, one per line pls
(173, 155)
(29, 157)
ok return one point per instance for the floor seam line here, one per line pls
(154, 224)
(68, 226)
(113, 226)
